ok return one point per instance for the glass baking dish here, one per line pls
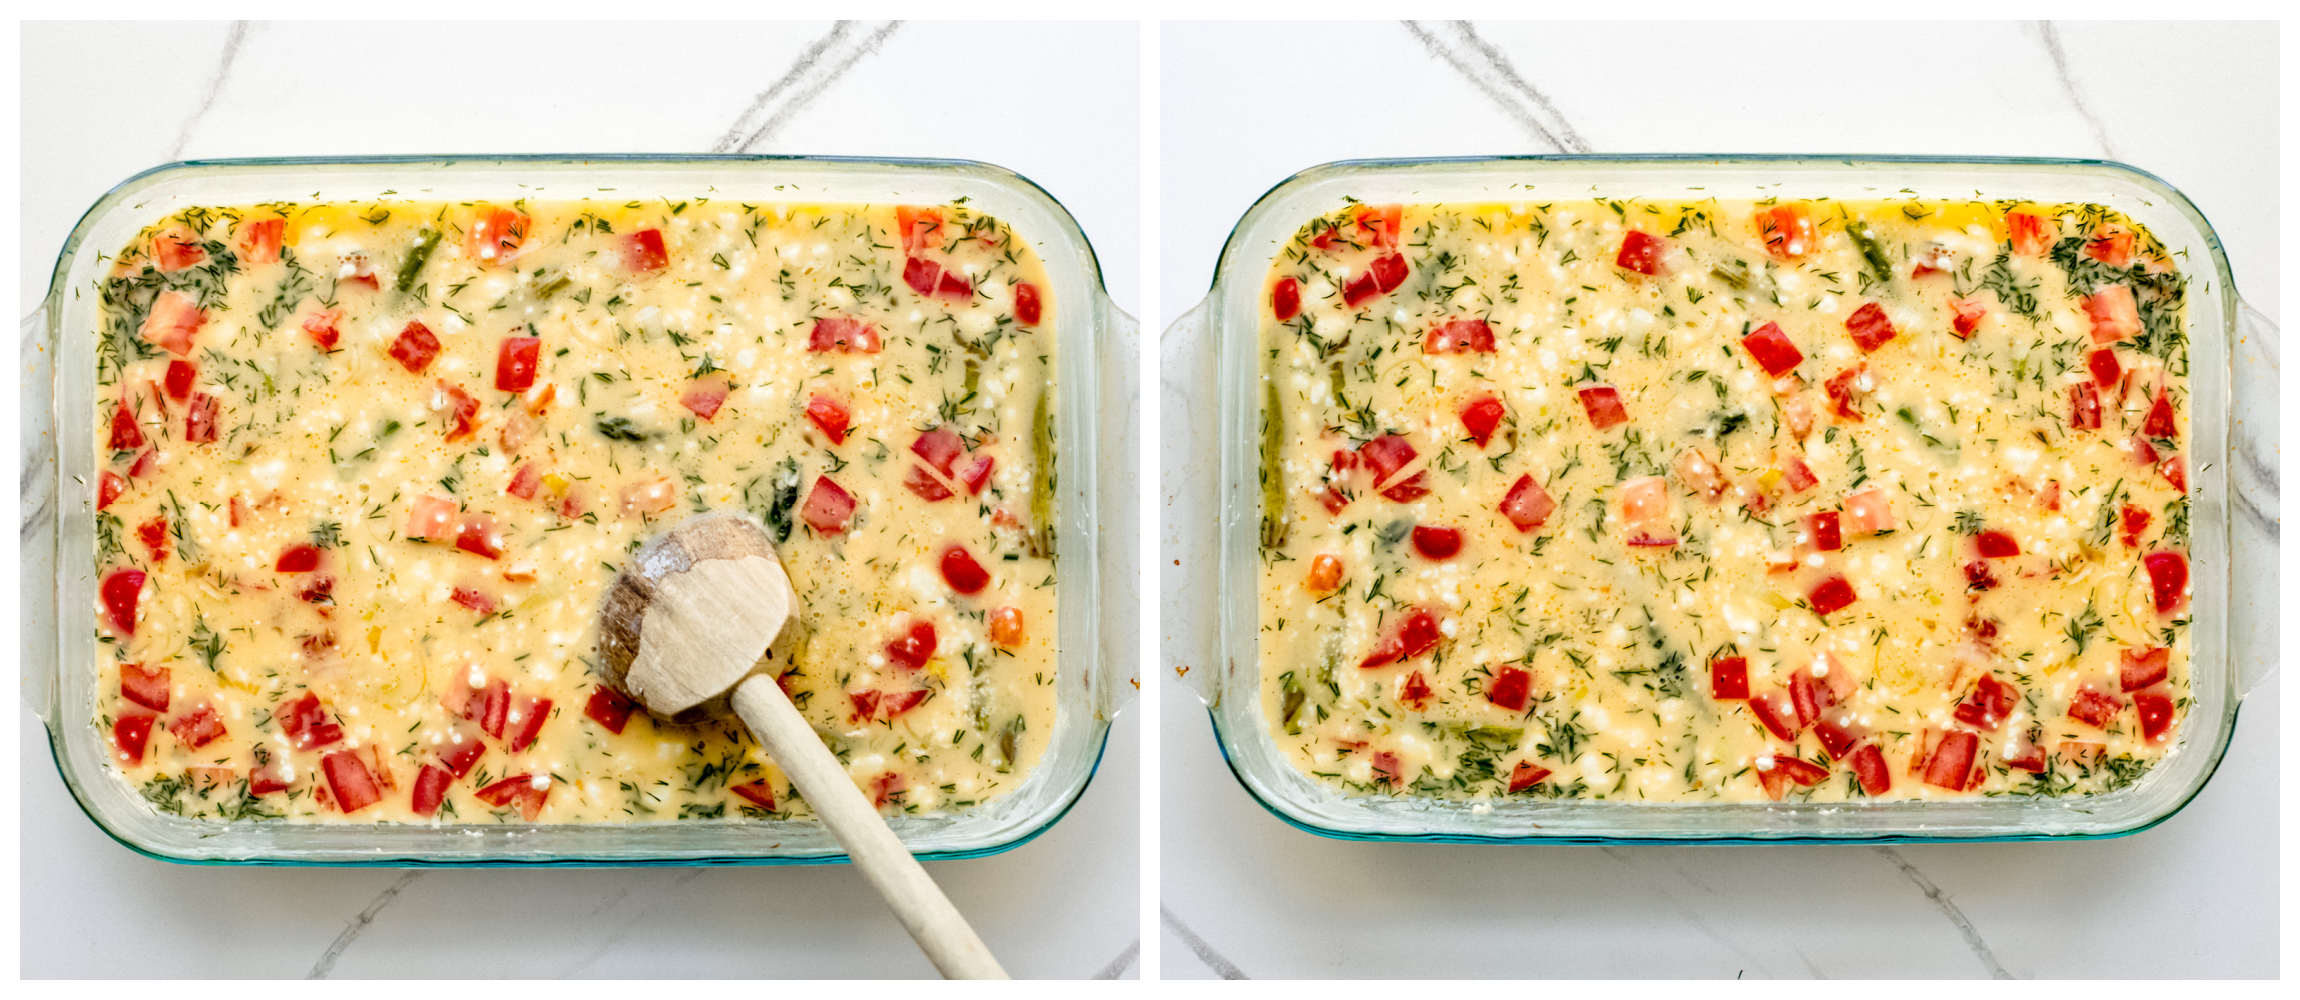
(1213, 347)
(1095, 658)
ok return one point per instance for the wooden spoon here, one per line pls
(699, 619)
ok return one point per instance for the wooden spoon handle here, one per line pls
(924, 911)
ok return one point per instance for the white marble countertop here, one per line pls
(104, 101)
(1245, 895)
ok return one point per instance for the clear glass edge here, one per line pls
(1099, 699)
(1234, 513)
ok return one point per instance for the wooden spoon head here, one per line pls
(694, 612)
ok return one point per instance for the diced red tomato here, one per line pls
(913, 646)
(1527, 505)
(1640, 252)
(121, 589)
(200, 420)
(1996, 545)
(1407, 490)
(2159, 422)
(515, 363)
(830, 415)
(1603, 404)
(2146, 668)
(2113, 313)
(415, 347)
(462, 747)
(1645, 501)
(496, 235)
(268, 773)
(525, 481)
(179, 378)
(1870, 328)
(1978, 576)
(921, 275)
(1772, 350)
(298, 559)
(520, 788)
(1935, 259)
(1784, 770)
(2024, 753)
(1413, 635)
(610, 708)
(2142, 452)
(1838, 733)
(2167, 578)
(2094, 708)
(1510, 688)
(705, 395)
(1845, 389)
(1700, 474)
(1006, 627)
(1387, 768)
(461, 409)
(1385, 455)
(2105, 370)
(953, 286)
(2050, 498)
(928, 488)
(1870, 511)
(154, 535)
(828, 508)
(643, 251)
(2175, 471)
(1828, 534)
(1833, 595)
(2084, 407)
(306, 723)
(759, 792)
(177, 248)
(2031, 235)
(321, 326)
(198, 728)
(2155, 715)
(1869, 766)
(895, 703)
(941, 447)
(430, 790)
(1286, 299)
(1461, 335)
(1359, 289)
(260, 241)
(1809, 695)
(888, 787)
(109, 487)
(1389, 271)
(845, 335)
(1525, 775)
(431, 518)
(917, 226)
(1988, 704)
(1382, 222)
(1969, 314)
(1787, 230)
(1778, 713)
(479, 535)
(2086, 752)
(173, 321)
(1480, 417)
(961, 571)
(146, 686)
(1414, 692)
(525, 721)
(2135, 521)
(1729, 678)
(1437, 543)
(130, 732)
(1027, 309)
(1950, 764)
(2113, 247)
(125, 433)
(1797, 475)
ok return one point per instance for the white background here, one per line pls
(103, 102)
(1244, 894)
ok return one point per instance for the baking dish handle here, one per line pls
(2252, 481)
(37, 434)
(1189, 472)
(1118, 495)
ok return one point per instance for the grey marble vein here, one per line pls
(359, 925)
(816, 68)
(1117, 966)
(675, 888)
(1198, 946)
(215, 86)
(2050, 36)
(1490, 70)
(1692, 916)
(1948, 908)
